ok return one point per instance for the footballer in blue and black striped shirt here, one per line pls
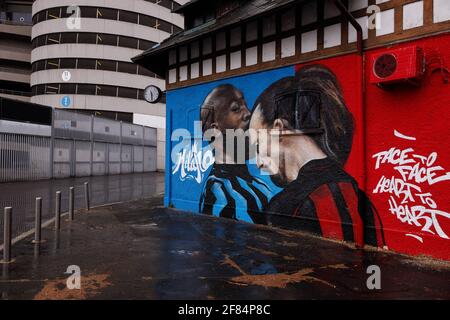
(230, 190)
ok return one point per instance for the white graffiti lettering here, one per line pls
(408, 201)
(193, 162)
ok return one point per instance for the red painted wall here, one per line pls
(422, 113)
(415, 222)
(348, 70)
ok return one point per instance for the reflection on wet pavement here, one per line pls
(104, 190)
(140, 250)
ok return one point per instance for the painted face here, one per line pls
(270, 153)
(232, 111)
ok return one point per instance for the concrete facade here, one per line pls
(91, 20)
(15, 49)
(37, 53)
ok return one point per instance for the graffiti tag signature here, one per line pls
(408, 201)
(193, 162)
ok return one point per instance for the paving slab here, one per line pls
(140, 250)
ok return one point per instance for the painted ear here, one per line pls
(279, 124)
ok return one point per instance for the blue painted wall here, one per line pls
(183, 109)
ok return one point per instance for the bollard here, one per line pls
(38, 220)
(86, 195)
(58, 211)
(71, 203)
(7, 224)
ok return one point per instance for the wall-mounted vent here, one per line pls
(405, 65)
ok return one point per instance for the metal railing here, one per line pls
(8, 231)
(75, 145)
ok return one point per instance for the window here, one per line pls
(66, 13)
(41, 40)
(107, 65)
(88, 89)
(127, 16)
(109, 91)
(39, 65)
(38, 41)
(165, 26)
(126, 67)
(106, 13)
(147, 21)
(88, 12)
(127, 93)
(86, 64)
(107, 39)
(52, 88)
(128, 42)
(86, 37)
(53, 38)
(54, 13)
(67, 63)
(68, 88)
(42, 16)
(52, 64)
(141, 95)
(40, 89)
(68, 37)
(144, 45)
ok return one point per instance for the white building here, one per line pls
(81, 57)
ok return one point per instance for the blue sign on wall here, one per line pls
(66, 101)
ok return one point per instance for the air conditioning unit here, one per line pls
(405, 65)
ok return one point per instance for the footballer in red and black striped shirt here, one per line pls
(325, 200)
(308, 116)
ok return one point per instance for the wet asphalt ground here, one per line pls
(140, 250)
(103, 190)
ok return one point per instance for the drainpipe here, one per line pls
(360, 48)
(359, 32)
(355, 24)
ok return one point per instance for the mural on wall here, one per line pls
(295, 169)
(192, 163)
(316, 134)
(230, 190)
(320, 149)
